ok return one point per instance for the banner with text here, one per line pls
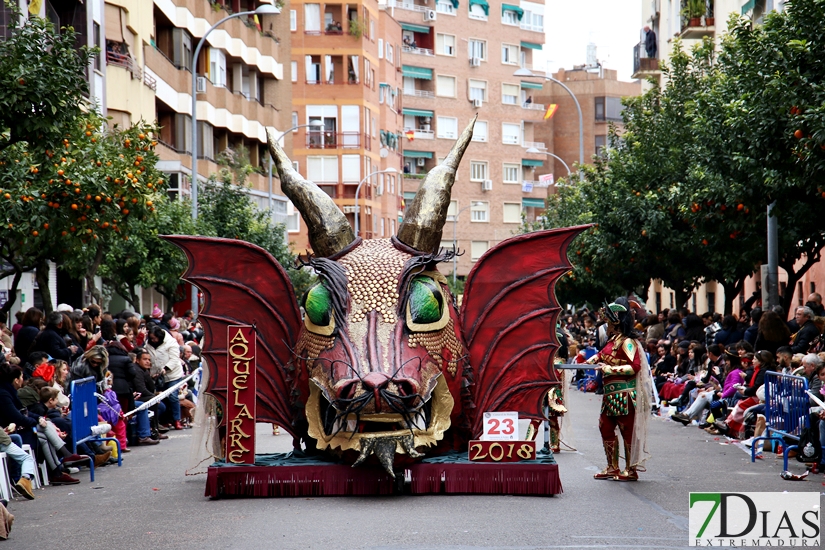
(240, 397)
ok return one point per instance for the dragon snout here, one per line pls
(375, 383)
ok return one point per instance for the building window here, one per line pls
(322, 169)
(390, 52)
(510, 133)
(509, 54)
(510, 173)
(294, 121)
(480, 211)
(478, 89)
(451, 210)
(477, 48)
(293, 222)
(609, 108)
(312, 18)
(478, 170)
(509, 17)
(601, 142)
(512, 212)
(380, 48)
(350, 168)
(445, 44)
(447, 127)
(478, 248)
(445, 7)
(294, 71)
(480, 131)
(509, 94)
(477, 12)
(445, 86)
(293, 20)
(100, 52)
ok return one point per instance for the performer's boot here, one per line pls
(611, 451)
(629, 473)
(554, 439)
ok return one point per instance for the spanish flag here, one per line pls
(257, 23)
(551, 110)
(410, 134)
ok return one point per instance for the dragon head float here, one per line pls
(383, 361)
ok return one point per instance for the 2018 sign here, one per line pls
(495, 451)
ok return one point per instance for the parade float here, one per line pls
(384, 380)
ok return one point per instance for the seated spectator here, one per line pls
(125, 336)
(59, 374)
(120, 366)
(174, 326)
(21, 464)
(734, 425)
(109, 409)
(674, 330)
(730, 333)
(146, 391)
(773, 333)
(93, 363)
(166, 360)
(665, 364)
(807, 332)
(784, 356)
(753, 329)
(15, 328)
(712, 396)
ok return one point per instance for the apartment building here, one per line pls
(346, 108)
(690, 21)
(457, 61)
(600, 93)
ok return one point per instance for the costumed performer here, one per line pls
(627, 388)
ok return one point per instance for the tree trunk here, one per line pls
(41, 275)
(732, 289)
(128, 294)
(15, 282)
(794, 277)
(92, 292)
(681, 297)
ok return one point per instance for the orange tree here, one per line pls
(72, 199)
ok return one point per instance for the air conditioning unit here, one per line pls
(475, 62)
(379, 190)
(421, 162)
(477, 103)
(429, 15)
(487, 185)
(200, 87)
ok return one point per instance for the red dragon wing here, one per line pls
(243, 284)
(508, 317)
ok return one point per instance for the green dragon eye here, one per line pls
(425, 303)
(318, 305)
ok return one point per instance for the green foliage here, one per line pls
(41, 82)
(226, 210)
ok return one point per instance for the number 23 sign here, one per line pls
(500, 426)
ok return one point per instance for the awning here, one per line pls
(531, 162)
(749, 5)
(417, 112)
(532, 203)
(531, 45)
(509, 7)
(408, 196)
(415, 28)
(418, 154)
(483, 3)
(454, 3)
(114, 27)
(531, 85)
(417, 72)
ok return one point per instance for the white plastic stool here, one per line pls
(44, 473)
(5, 482)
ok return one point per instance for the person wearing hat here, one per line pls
(627, 394)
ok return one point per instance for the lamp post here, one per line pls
(534, 151)
(358, 191)
(264, 9)
(527, 73)
(455, 241)
(314, 124)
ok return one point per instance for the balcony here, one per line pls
(414, 176)
(125, 61)
(332, 140)
(528, 27)
(419, 93)
(534, 144)
(417, 51)
(533, 106)
(693, 29)
(409, 6)
(643, 66)
(420, 133)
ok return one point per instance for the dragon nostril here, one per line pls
(406, 387)
(347, 390)
(375, 380)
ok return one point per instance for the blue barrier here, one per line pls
(84, 418)
(787, 410)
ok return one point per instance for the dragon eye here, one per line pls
(317, 303)
(425, 304)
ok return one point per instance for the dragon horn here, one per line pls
(329, 230)
(426, 215)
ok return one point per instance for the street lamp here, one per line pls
(534, 151)
(455, 242)
(527, 73)
(358, 191)
(263, 9)
(313, 124)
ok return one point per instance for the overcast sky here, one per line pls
(613, 25)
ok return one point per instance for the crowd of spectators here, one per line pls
(132, 358)
(709, 370)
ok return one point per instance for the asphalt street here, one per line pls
(150, 503)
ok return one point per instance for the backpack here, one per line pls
(809, 450)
